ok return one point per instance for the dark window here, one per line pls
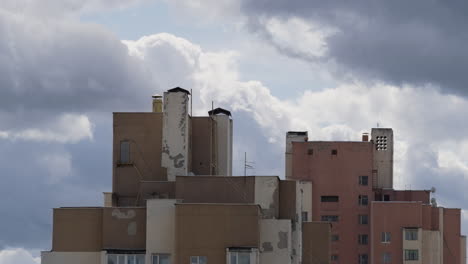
(124, 152)
(386, 258)
(330, 218)
(363, 180)
(310, 152)
(335, 238)
(334, 152)
(334, 257)
(363, 219)
(363, 200)
(411, 234)
(329, 199)
(305, 217)
(386, 197)
(411, 254)
(386, 237)
(363, 259)
(363, 239)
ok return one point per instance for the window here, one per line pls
(334, 152)
(363, 200)
(161, 259)
(411, 254)
(305, 217)
(363, 259)
(363, 239)
(363, 219)
(386, 198)
(335, 238)
(198, 260)
(124, 152)
(310, 152)
(329, 199)
(126, 259)
(411, 234)
(386, 237)
(386, 257)
(363, 180)
(330, 218)
(239, 258)
(334, 257)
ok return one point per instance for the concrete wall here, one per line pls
(124, 228)
(275, 241)
(267, 195)
(306, 193)
(431, 247)
(175, 142)
(451, 235)
(160, 226)
(463, 249)
(316, 243)
(383, 158)
(292, 137)
(223, 144)
(414, 245)
(77, 230)
(201, 145)
(144, 132)
(73, 257)
(208, 229)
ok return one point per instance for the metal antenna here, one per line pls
(247, 164)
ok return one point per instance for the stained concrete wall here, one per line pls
(275, 241)
(316, 243)
(306, 194)
(160, 227)
(73, 257)
(223, 144)
(431, 247)
(267, 195)
(383, 157)
(175, 142)
(124, 228)
(292, 136)
(208, 229)
(413, 245)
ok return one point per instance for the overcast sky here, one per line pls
(335, 68)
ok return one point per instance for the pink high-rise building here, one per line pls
(352, 187)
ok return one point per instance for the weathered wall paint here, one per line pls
(160, 228)
(175, 148)
(50, 257)
(306, 197)
(383, 158)
(267, 195)
(275, 241)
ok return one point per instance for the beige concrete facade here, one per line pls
(160, 226)
(316, 243)
(73, 257)
(383, 157)
(275, 241)
(222, 144)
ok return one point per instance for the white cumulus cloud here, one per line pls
(18, 256)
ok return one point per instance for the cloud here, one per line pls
(57, 166)
(17, 255)
(68, 128)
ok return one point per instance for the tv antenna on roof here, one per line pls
(247, 164)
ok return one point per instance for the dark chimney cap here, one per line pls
(219, 111)
(297, 133)
(157, 96)
(178, 89)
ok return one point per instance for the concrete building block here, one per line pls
(52, 257)
(160, 228)
(267, 195)
(275, 241)
(383, 157)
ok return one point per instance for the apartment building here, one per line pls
(352, 188)
(174, 200)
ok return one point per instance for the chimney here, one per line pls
(157, 103)
(292, 136)
(222, 141)
(175, 140)
(365, 137)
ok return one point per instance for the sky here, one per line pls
(334, 68)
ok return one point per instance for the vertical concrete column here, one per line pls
(292, 136)
(175, 142)
(383, 157)
(160, 228)
(222, 138)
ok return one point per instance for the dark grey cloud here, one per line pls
(400, 42)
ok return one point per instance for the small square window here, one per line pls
(125, 152)
(386, 237)
(363, 200)
(411, 254)
(335, 238)
(411, 234)
(334, 152)
(305, 217)
(363, 259)
(363, 180)
(386, 258)
(330, 218)
(334, 257)
(363, 239)
(160, 259)
(363, 219)
(386, 198)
